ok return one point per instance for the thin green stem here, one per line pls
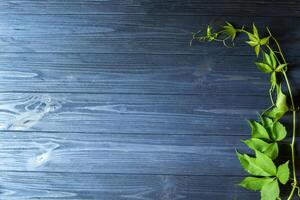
(293, 137)
(271, 97)
(294, 118)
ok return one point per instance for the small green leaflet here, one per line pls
(255, 183)
(255, 31)
(255, 41)
(257, 144)
(273, 79)
(264, 67)
(270, 191)
(261, 165)
(280, 107)
(267, 123)
(268, 64)
(209, 35)
(275, 128)
(265, 40)
(278, 131)
(270, 149)
(258, 131)
(281, 67)
(283, 173)
(230, 30)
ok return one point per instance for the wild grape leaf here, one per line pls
(281, 67)
(265, 40)
(255, 31)
(258, 131)
(273, 59)
(270, 191)
(265, 163)
(264, 67)
(254, 40)
(273, 79)
(283, 173)
(261, 165)
(257, 48)
(270, 149)
(268, 64)
(279, 131)
(255, 183)
(281, 100)
(267, 123)
(280, 107)
(257, 144)
(275, 113)
(230, 30)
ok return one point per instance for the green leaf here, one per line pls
(272, 151)
(273, 59)
(252, 43)
(281, 106)
(262, 165)
(275, 113)
(270, 191)
(265, 163)
(278, 131)
(267, 123)
(257, 144)
(208, 30)
(258, 131)
(283, 173)
(252, 38)
(264, 67)
(273, 79)
(264, 41)
(281, 67)
(254, 183)
(281, 100)
(257, 48)
(255, 31)
(231, 31)
(267, 59)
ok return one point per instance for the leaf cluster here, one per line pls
(268, 131)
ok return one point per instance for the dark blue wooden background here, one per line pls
(104, 99)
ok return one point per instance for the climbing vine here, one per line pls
(265, 173)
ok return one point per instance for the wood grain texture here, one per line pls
(122, 153)
(125, 73)
(132, 34)
(63, 186)
(115, 153)
(135, 114)
(104, 99)
(155, 7)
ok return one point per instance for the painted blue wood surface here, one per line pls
(106, 100)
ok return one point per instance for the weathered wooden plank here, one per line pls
(123, 153)
(174, 7)
(28, 185)
(140, 74)
(128, 34)
(137, 114)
